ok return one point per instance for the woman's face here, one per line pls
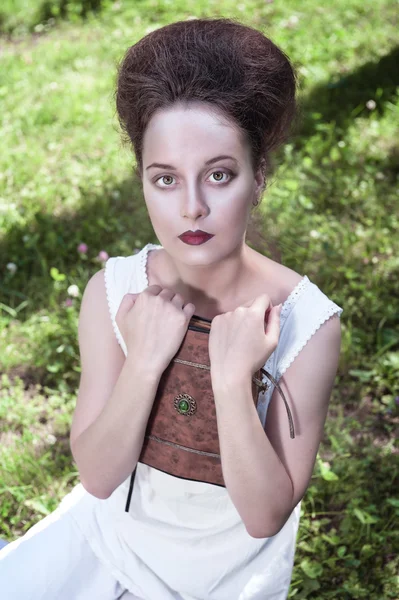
(197, 174)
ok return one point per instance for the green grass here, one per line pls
(330, 212)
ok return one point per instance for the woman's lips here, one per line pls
(195, 240)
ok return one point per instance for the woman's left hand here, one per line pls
(241, 341)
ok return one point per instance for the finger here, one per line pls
(247, 304)
(154, 289)
(126, 304)
(262, 304)
(166, 293)
(189, 309)
(128, 301)
(254, 301)
(178, 300)
(272, 329)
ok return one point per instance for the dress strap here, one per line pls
(120, 277)
(307, 315)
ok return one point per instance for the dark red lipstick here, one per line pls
(195, 238)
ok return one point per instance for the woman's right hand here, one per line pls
(153, 324)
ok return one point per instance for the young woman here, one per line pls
(203, 102)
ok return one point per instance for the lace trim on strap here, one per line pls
(286, 308)
(110, 284)
(292, 298)
(143, 263)
(331, 309)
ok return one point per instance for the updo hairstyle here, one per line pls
(232, 67)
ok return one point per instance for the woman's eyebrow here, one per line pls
(208, 162)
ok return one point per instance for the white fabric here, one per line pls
(185, 540)
(53, 561)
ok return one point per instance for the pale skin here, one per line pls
(265, 471)
(266, 475)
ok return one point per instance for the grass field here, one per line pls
(331, 212)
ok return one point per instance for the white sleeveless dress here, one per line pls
(185, 540)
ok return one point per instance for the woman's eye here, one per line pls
(219, 175)
(168, 178)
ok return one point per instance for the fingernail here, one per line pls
(279, 307)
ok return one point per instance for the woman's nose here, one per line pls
(194, 203)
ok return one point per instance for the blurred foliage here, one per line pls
(35, 16)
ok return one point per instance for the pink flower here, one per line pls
(103, 256)
(82, 248)
(68, 302)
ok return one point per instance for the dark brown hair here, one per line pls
(232, 67)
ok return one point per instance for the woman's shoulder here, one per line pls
(276, 279)
(298, 293)
(287, 281)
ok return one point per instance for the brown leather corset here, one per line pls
(181, 437)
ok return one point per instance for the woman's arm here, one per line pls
(115, 398)
(255, 477)
(108, 450)
(267, 475)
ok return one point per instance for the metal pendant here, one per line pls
(185, 404)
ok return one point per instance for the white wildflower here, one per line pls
(73, 291)
(293, 20)
(11, 267)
